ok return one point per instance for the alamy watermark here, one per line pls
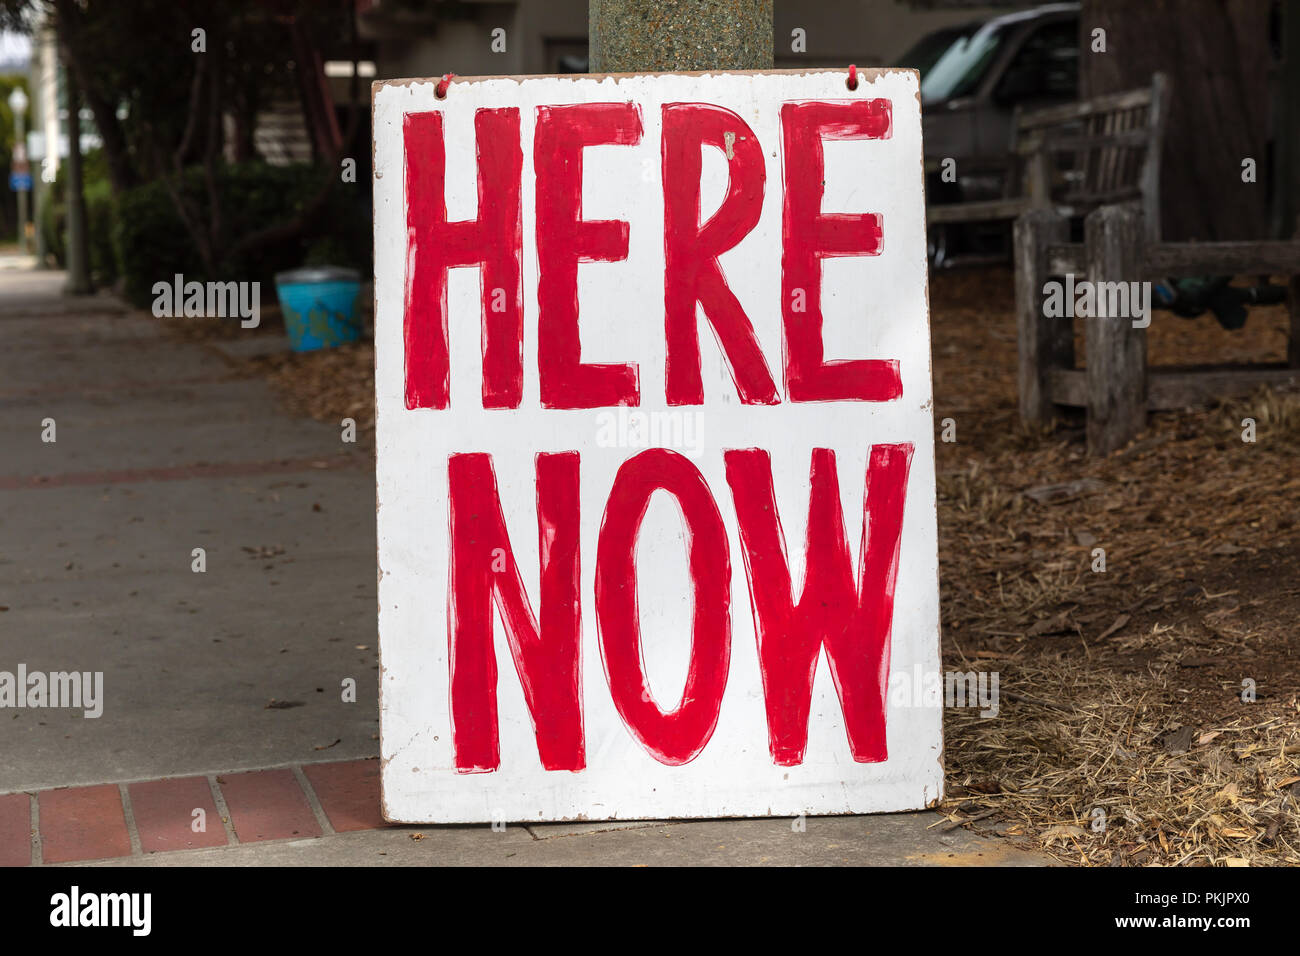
(213, 300)
(82, 690)
(1105, 300)
(633, 428)
(74, 908)
(919, 688)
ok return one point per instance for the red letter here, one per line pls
(546, 659)
(809, 235)
(853, 623)
(434, 245)
(564, 239)
(674, 738)
(691, 250)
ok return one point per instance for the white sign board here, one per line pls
(656, 496)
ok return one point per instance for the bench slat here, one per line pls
(1223, 258)
(987, 211)
(1170, 388)
(1065, 142)
(1111, 102)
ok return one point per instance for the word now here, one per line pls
(849, 615)
(692, 274)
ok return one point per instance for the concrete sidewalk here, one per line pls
(160, 449)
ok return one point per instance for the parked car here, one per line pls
(973, 78)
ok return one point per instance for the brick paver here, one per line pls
(165, 818)
(15, 829)
(348, 792)
(268, 805)
(82, 823)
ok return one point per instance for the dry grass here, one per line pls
(1096, 669)
(1084, 763)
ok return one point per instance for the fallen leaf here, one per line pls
(1066, 491)
(1062, 832)
(985, 784)
(1119, 622)
(1057, 624)
(1176, 741)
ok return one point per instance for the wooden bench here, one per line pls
(1077, 157)
(1116, 387)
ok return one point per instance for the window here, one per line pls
(1045, 67)
(965, 62)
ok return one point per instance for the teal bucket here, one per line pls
(319, 306)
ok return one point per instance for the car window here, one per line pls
(926, 52)
(963, 65)
(1045, 67)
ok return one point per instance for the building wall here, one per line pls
(838, 32)
(536, 32)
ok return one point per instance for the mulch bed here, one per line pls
(1126, 733)
(1123, 736)
(328, 385)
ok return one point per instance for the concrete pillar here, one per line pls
(647, 36)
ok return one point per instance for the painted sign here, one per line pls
(656, 501)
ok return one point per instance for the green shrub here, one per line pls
(152, 244)
(139, 236)
(100, 211)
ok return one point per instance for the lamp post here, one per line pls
(18, 104)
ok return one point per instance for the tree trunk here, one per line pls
(121, 171)
(1217, 56)
(78, 248)
(1286, 208)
